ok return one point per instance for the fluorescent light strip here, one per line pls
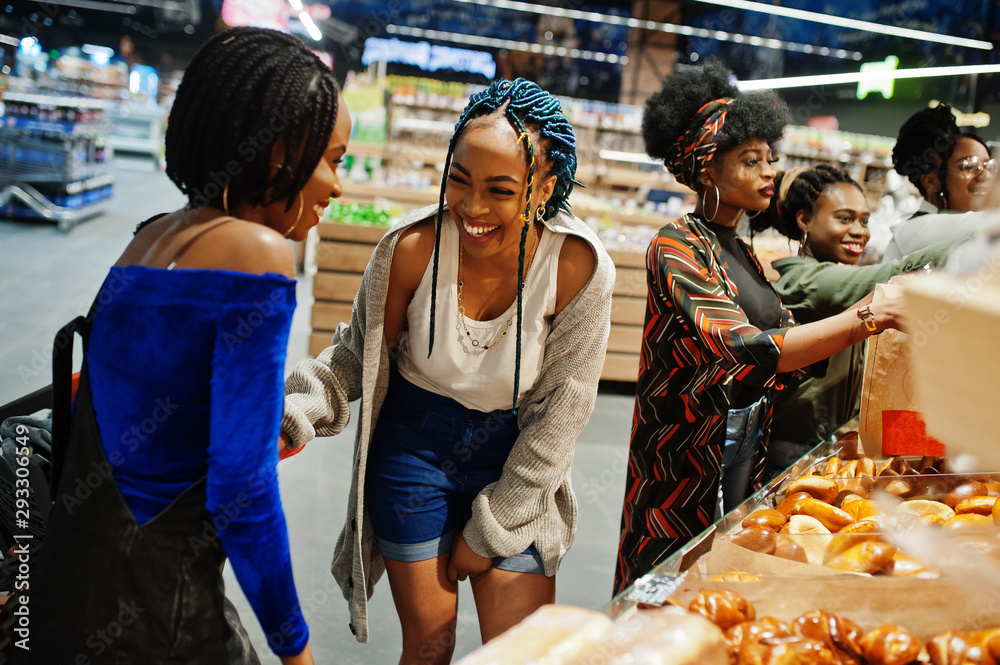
(854, 24)
(310, 26)
(618, 156)
(12, 41)
(422, 124)
(858, 77)
(296, 5)
(670, 28)
(505, 43)
(91, 4)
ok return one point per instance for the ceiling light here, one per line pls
(490, 42)
(669, 28)
(296, 5)
(310, 26)
(854, 24)
(858, 77)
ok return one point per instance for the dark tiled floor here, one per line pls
(47, 277)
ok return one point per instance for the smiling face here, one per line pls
(970, 175)
(745, 178)
(322, 185)
(837, 225)
(486, 186)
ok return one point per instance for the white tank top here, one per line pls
(478, 379)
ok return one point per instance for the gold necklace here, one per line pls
(478, 346)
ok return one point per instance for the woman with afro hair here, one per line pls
(826, 212)
(716, 339)
(953, 172)
(475, 345)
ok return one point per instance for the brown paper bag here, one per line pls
(890, 421)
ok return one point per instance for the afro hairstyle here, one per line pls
(668, 113)
(925, 143)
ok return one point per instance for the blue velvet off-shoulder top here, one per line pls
(186, 370)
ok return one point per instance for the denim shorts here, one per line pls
(429, 458)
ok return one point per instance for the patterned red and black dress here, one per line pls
(695, 341)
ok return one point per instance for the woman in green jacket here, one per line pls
(827, 212)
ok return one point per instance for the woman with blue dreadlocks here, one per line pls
(476, 344)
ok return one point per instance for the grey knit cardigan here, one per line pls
(532, 502)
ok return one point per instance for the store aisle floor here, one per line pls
(47, 277)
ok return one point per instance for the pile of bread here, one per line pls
(828, 517)
(821, 638)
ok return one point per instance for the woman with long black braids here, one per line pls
(716, 337)
(476, 344)
(180, 397)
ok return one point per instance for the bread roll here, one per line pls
(809, 534)
(722, 607)
(863, 509)
(551, 635)
(955, 648)
(851, 535)
(979, 505)
(791, 651)
(785, 507)
(817, 487)
(838, 632)
(660, 636)
(899, 487)
(996, 512)
(786, 549)
(890, 645)
(866, 467)
(848, 469)
(831, 517)
(768, 517)
(868, 557)
(755, 538)
(831, 467)
(907, 566)
(964, 491)
(970, 521)
(742, 634)
(924, 506)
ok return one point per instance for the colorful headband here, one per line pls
(693, 151)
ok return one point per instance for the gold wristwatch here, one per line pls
(868, 318)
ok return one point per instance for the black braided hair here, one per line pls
(245, 88)
(925, 143)
(668, 113)
(807, 186)
(530, 110)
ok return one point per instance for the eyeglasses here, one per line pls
(973, 166)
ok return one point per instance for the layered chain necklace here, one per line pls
(478, 346)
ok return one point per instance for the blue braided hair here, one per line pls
(527, 107)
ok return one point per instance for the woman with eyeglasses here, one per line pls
(716, 339)
(952, 170)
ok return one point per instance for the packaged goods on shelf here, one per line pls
(55, 158)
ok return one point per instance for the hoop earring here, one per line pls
(302, 203)
(704, 204)
(803, 243)
(753, 216)
(225, 200)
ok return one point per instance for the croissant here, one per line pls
(890, 645)
(723, 607)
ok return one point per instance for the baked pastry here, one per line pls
(955, 648)
(851, 535)
(660, 635)
(866, 467)
(969, 521)
(979, 505)
(861, 509)
(848, 469)
(924, 506)
(964, 491)
(733, 576)
(868, 557)
(838, 632)
(905, 565)
(809, 534)
(890, 645)
(551, 634)
(786, 549)
(744, 633)
(722, 607)
(756, 538)
(831, 517)
(817, 487)
(785, 507)
(790, 651)
(766, 517)
(831, 467)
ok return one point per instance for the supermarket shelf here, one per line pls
(37, 205)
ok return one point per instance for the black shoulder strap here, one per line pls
(62, 385)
